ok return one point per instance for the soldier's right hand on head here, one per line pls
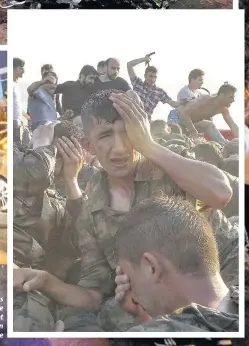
(28, 280)
(43, 135)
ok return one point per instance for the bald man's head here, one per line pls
(112, 68)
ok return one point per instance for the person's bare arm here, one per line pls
(28, 280)
(203, 181)
(176, 104)
(230, 122)
(34, 86)
(187, 122)
(132, 64)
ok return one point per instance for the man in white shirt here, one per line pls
(18, 71)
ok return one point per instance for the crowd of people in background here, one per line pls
(122, 222)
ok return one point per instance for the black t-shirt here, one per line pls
(74, 94)
(118, 84)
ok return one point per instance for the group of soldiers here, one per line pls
(78, 222)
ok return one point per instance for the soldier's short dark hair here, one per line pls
(173, 228)
(210, 152)
(158, 126)
(175, 128)
(100, 107)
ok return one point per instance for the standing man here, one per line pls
(101, 68)
(41, 102)
(75, 93)
(110, 79)
(147, 90)
(192, 90)
(18, 71)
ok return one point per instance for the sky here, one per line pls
(183, 40)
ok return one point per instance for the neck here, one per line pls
(104, 78)
(208, 291)
(123, 183)
(191, 87)
(15, 79)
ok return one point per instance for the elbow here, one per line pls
(223, 197)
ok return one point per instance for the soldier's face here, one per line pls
(110, 143)
(148, 285)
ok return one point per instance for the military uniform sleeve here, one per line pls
(33, 170)
(95, 271)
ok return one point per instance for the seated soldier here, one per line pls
(203, 108)
(116, 128)
(40, 213)
(169, 252)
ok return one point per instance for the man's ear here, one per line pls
(88, 147)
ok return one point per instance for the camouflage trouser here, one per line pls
(34, 312)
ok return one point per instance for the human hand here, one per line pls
(136, 122)
(124, 297)
(71, 152)
(43, 136)
(28, 280)
(184, 101)
(147, 59)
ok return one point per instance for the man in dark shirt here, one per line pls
(101, 67)
(110, 79)
(75, 93)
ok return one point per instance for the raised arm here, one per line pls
(203, 181)
(131, 64)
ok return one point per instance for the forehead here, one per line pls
(150, 73)
(114, 63)
(91, 76)
(99, 126)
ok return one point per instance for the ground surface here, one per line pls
(3, 26)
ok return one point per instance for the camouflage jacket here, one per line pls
(42, 218)
(98, 223)
(193, 318)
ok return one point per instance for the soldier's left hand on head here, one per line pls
(28, 280)
(71, 152)
(136, 121)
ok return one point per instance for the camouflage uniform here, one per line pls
(193, 318)
(42, 236)
(41, 216)
(98, 224)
